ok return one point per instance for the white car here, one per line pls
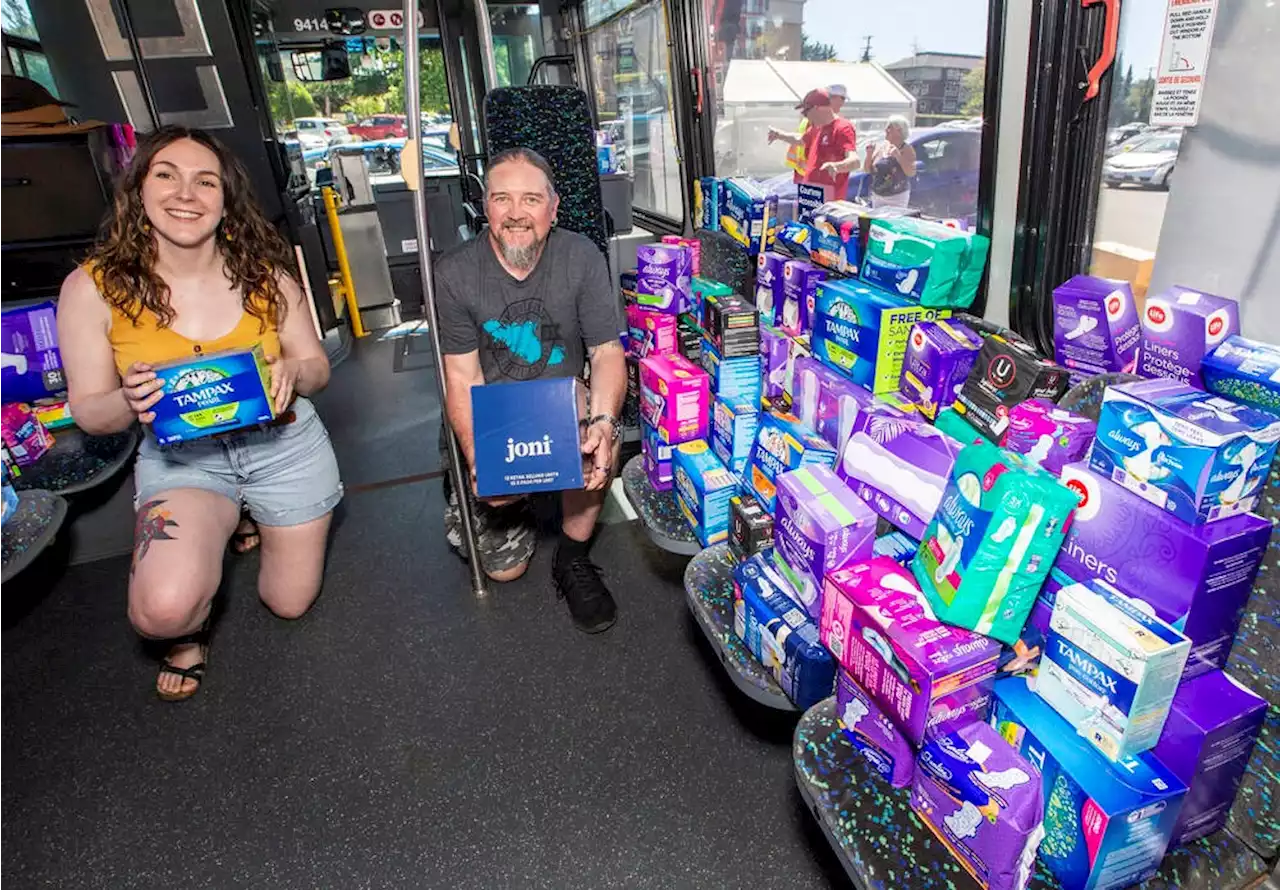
(1149, 162)
(321, 132)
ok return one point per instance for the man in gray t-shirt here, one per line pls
(525, 301)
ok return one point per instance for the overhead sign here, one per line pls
(1184, 55)
(387, 19)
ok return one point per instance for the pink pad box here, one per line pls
(652, 333)
(24, 435)
(675, 398)
(929, 677)
(1050, 436)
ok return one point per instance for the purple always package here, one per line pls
(939, 356)
(1048, 435)
(770, 294)
(929, 677)
(800, 285)
(657, 458)
(775, 357)
(899, 466)
(1207, 739)
(1095, 325)
(662, 277)
(1196, 578)
(872, 733)
(819, 525)
(985, 802)
(828, 402)
(32, 364)
(1180, 327)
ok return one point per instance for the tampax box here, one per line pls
(872, 733)
(1245, 371)
(651, 333)
(770, 294)
(732, 378)
(747, 213)
(733, 431)
(1179, 328)
(784, 639)
(939, 357)
(1195, 577)
(800, 280)
(657, 458)
(1110, 668)
(750, 527)
(675, 398)
(703, 489)
(862, 331)
(731, 325)
(820, 526)
(528, 435)
(211, 394)
(928, 676)
(1212, 726)
(984, 802)
(1107, 825)
(1201, 457)
(1006, 372)
(782, 444)
(1095, 325)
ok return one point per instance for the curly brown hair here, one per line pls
(124, 257)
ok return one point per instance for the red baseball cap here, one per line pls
(818, 98)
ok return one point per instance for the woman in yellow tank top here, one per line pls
(187, 265)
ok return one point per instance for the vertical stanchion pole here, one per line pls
(413, 113)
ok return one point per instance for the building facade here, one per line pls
(936, 80)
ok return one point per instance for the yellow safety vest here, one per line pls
(795, 154)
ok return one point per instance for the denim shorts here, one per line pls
(285, 474)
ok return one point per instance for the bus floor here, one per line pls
(402, 733)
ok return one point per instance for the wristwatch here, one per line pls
(614, 422)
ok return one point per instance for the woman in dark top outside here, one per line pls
(891, 163)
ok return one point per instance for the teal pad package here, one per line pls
(213, 393)
(992, 542)
(924, 261)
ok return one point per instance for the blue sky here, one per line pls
(958, 26)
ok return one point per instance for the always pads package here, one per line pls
(992, 541)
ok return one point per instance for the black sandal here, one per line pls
(239, 538)
(195, 672)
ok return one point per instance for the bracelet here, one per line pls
(612, 421)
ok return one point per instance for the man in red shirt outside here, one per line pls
(830, 145)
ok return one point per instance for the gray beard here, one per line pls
(522, 258)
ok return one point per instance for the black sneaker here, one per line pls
(590, 603)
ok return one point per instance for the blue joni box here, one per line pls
(528, 436)
(214, 393)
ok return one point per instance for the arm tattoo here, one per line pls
(154, 523)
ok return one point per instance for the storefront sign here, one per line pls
(1184, 56)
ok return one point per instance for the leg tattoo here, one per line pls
(153, 524)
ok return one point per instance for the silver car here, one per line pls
(1148, 163)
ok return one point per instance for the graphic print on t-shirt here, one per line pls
(525, 340)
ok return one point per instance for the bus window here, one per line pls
(631, 76)
(517, 42)
(925, 69)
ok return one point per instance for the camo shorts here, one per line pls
(506, 536)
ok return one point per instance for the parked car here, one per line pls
(1149, 162)
(946, 181)
(320, 132)
(381, 126)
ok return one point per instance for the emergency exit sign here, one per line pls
(1184, 55)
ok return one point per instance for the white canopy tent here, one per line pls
(759, 94)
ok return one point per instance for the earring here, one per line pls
(226, 233)
(146, 225)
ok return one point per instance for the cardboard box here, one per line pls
(829, 403)
(32, 361)
(701, 290)
(939, 356)
(1110, 669)
(1095, 325)
(1199, 456)
(1007, 372)
(733, 431)
(1180, 327)
(770, 293)
(663, 278)
(800, 280)
(775, 358)
(703, 489)
(657, 458)
(528, 436)
(929, 677)
(1107, 825)
(675, 398)
(732, 378)
(782, 444)
(651, 333)
(732, 326)
(872, 733)
(1245, 371)
(1207, 741)
(1197, 578)
(862, 331)
(1112, 259)
(750, 527)
(214, 393)
(747, 214)
(821, 526)
(707, 200)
